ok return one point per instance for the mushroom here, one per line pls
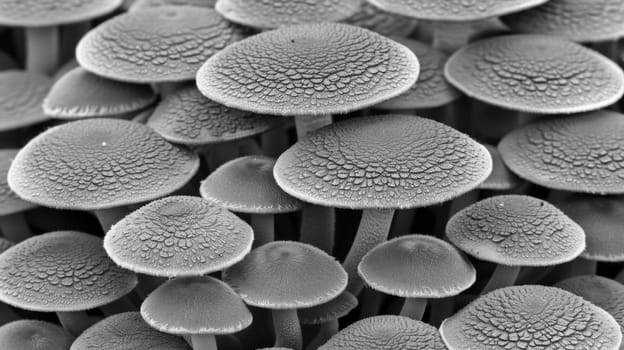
(326, 317)
(21, 96)
(13, 223)
(34, 335)
(531, 317)
(382, 22)
(140, 5)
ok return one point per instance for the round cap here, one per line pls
(287, 275)
(536, 74)
(34, 335)
(178, 236)
(99, 163)
(417, 266)
(43, 13)
(147, 4)
(394, 161)
(334, 309)
(312, 69)
(577, 153)
(163, 44)
(10, 203)
(21, 96)
(80, 94)
(382, 22)
(501, 178)
(195, 305)
(61, 271)
(531, 317)
(386, 333)
(516, 230)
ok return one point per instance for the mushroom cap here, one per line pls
(127, 331)
(196, 305)
(578, 153)
(431, 90)
(536, 74)
(247, 185)
(99, 163)
(43, 13)
(386, 333)
(61, 271)
(417, 266)
(5, 244)
(162, 44)
(279, 13)
(516, 230)
(80, 94)
(501, 178)
(454, 10)
(187, 117)
(602, 219)
(34, 335)
(287, 275)
(147, 4)
(394, 161)
(178, 236)
(21, 95)
(10, 203)
(334, 309)
(578, 20)
(531, 317)
(309, 69)
(385, 23)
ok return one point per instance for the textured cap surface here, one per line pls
(10, 203)
(21, 95)
(34, 335)
(36, 13)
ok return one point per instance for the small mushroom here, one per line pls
(13, 223)
(21, 96)
(34, 335)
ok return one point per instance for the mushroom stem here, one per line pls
(74, 322)
(14, 227)
(307, 123)
(287, 329)
(109, 217)
(450, 36)
(317, 227)
(326, 331)
(414, 308)
(42, 49)
(204, 342)
(503, 276)
(264, 228)
(373, 230)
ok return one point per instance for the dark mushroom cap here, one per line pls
(80, 94)
(247, 185)
(531, 317)
(10, 203)
(578, 20)
(178, 236)
(501, 178)
(386, 333)
(155, 45)
(395, 161)
(454, 10)
(516, 230)
(382, 22)
(287, 275)
(196, 305)
(5, 244)
(310, 69)
(579, 153)
(187, 117)
(147, 4)
(42, 13)
(417, 266)
(99, 163)
(431, 90)
(21, 95)
(127, 331)
(334, 309)
(536, 74)
(61, 271)
(34, 335)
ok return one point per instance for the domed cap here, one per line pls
(501, 178)
(516, 230)
(195, 305)
(10, 203)
(386, 333)
(247, 185)
(578, 20)
(34, 335)
(5, 244)
(382, 22)
(395, 161)
(431, 90)
(178, 236)
(278, 13)
(287, 275)
(187, 117)
(147, 4)
(80, 94)
(155, 45)
(311, 69)
(21, 95)
(127, 331)
(334, 309)
(41, 13)
(531, 317)
(99, 163)
(454, 10)
(536, 74)
(61, 271)
(577, 153)
(417, 266)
